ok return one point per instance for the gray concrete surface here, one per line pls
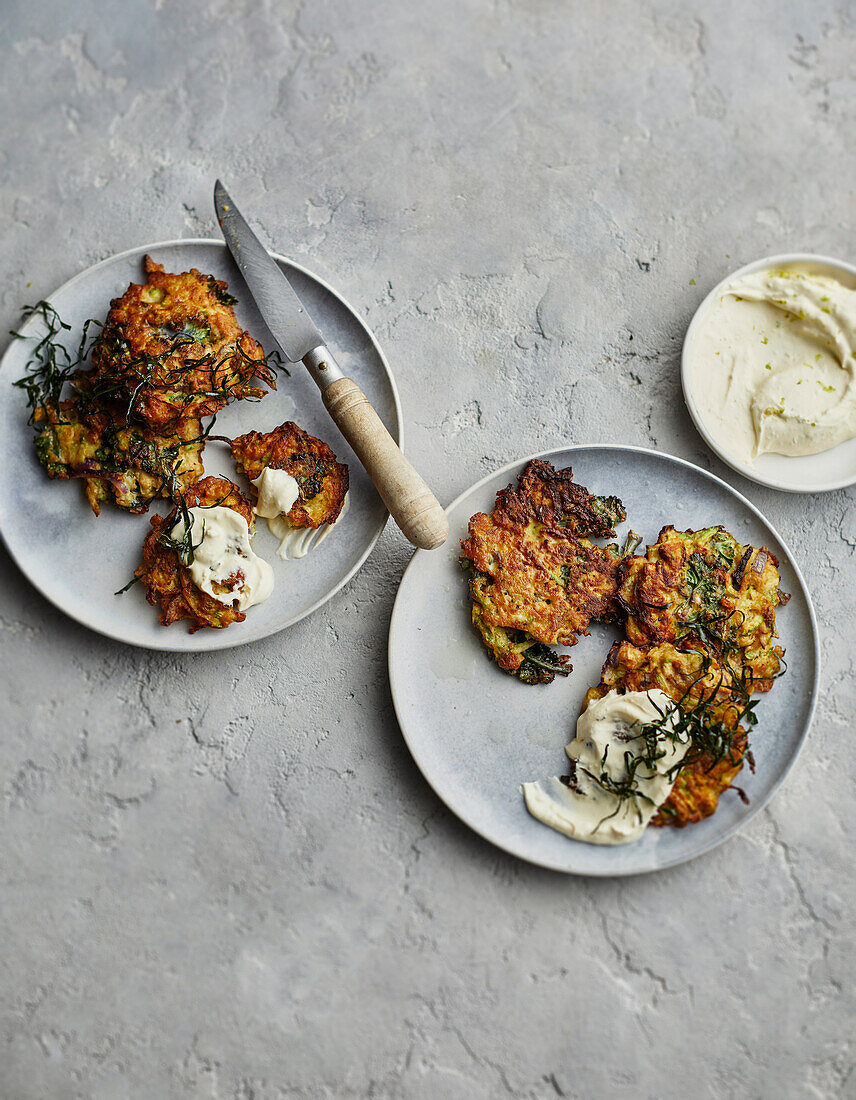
(223, 876)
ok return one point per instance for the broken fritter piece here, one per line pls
(516, 652)
(128, 464)
(554, 499)
(536, 579)
(700, 784)
(705, 586)
(694, 679)
(171, 348)
(322, 481)
(167, 579)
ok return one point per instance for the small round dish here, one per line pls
(833, 469)
(78, 561)
(476, 734)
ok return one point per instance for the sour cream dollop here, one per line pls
(772, 364)
(278, 491)
(296, 542)
(608, 741)
(224, 564)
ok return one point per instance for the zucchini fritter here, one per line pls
(130, 464)
(515, 651)
(536, 580)
(168, 582)
(553, 498)
(173, 349)
(694, 679)
(323, 482)
(706, 586)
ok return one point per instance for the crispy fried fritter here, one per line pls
(694, 679)
(173, 349)
(698, 786)
(535, 577)
(704, 585)
(323, 482)
(168, 582)
(527, 578)
(516, 652)
(129, 464)
(554, 499)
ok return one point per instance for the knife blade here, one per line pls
(284, 313)
(410, 502)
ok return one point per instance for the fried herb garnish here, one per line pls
(51, 366)
(153, 372)
(184, 547)
(624, 789)
(713, 729)
(713, 739)
(627, 787)
(125, 587)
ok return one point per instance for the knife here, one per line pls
(410, 502)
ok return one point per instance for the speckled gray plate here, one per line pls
(477, 734)
(78, 561)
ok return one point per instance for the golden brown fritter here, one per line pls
(168, 582)
(173, 349)
(698, 786)
(323, 482)
(694, 679)
(516, 652)
(530, 578)
(129, 464)
(554, 499)
(706, 586)
(535, 578)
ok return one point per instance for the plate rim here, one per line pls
(757, 807)
(747, 471)
(218, 640)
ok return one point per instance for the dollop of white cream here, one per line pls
(296, 542)
(772, 365)
(224, 564)
(608, 741)
(278, 491)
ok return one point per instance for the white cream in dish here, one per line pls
(296, 542)
(608, 747)
(772, 364)
(224, 564)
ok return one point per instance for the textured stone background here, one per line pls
(222, 875)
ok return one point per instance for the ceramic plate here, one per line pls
(78, 561)
(833, 469)
(477, 733)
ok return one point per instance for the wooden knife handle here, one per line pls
(410, 502)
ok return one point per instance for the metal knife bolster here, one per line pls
(322, 365)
